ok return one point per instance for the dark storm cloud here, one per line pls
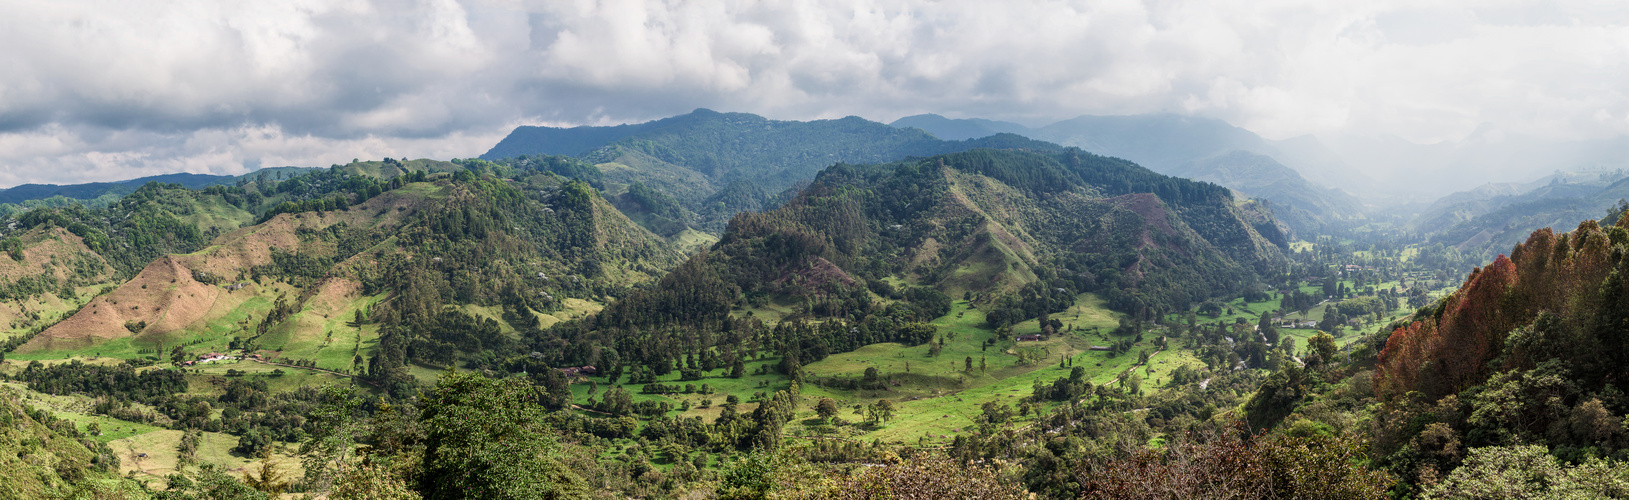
(93, 89)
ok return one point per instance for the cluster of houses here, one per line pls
(208, 358)
(236, 286)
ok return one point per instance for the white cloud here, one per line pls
(91, 89)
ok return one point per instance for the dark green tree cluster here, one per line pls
(123, 380)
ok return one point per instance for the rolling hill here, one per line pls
(506, 254)
(1020, 233)
(1203, 149)
(695, 157)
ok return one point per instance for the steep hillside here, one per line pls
(43, 457)
(1464, 205)
(1529, 351)
(1491, 219)
(991, 221)
(46, 274)
(1202, 149)
(1307, 208)
(558, 141)
(424, 242)
(158, 219)
(1020, 233)
(693, 157)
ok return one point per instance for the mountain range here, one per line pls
(1490, 219)
(713, 165)
(1202, 149)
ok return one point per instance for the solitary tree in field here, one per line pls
(826, 408)
(885, 409)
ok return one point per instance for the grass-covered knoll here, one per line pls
(691, 241)
(937, 394)
(162, 458)
(77, 409)
(939, 398)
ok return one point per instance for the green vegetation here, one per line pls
(710, 166)
(981, 323)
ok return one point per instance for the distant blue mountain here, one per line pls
(91, 190)
(959, 130)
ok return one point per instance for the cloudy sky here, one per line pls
(100, 90)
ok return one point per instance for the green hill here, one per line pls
(1201, 149)
(1020, 233)
(696, 156)
(45, 457)
(515, 253)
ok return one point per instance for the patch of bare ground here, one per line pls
(49, 251)
(163, 295)
(252, 245)
(334, 295)
(166, 297)
(1149, 207)
(815, 275)
(923, 253)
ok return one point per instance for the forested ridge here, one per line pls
(712, 165)
(1200, 149)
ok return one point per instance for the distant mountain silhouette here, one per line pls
(91, 190)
